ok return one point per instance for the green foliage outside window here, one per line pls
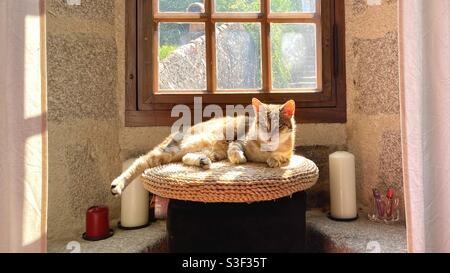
(281, 73)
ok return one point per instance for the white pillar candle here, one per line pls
(342, 186)
(135, 203)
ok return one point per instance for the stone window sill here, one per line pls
(323, 235)
(152, 239)
(360, 236)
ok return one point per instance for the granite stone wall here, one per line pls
(373, 127)
(83, 113)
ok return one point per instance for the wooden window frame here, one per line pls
(144, 107)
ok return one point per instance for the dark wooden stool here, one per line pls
(269, 226)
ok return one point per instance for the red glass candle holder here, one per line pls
(97, 224)
(161, 207)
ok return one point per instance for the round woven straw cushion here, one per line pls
(229, 183)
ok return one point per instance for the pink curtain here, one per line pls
(22, 127)
(425, 97)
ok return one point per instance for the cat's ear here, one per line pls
(288, 109)
(257, 105)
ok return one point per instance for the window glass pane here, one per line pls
(238, 5)
(238, 53)
(182, 62)
(306, 6)
(181, 6)
(293, 56)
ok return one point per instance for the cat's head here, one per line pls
(270, 115)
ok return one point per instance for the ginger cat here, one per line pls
(207, 142)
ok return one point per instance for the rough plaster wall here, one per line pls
(373, 127)
(83, 111)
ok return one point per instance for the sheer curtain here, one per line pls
(22, 128)
(425, 96)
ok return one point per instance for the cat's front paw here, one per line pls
(237, 157)
(274, 163)
(205, 163)
(117, 186)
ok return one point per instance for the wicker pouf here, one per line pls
(234, 208)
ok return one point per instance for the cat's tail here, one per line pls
(154, 158)
(172, 149)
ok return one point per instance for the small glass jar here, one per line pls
(384, 210)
